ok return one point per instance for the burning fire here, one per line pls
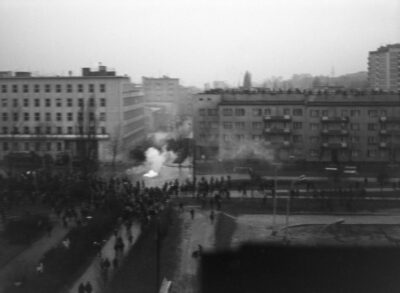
(150, 174)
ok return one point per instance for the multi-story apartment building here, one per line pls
(384, 68)
(309, 127)
(165, 95)
(59, 114)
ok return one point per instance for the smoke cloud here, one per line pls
(259, 150)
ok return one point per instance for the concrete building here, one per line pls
(309, 127)
(167, 98)
(56, 115)
(384, 68)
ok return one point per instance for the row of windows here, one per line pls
(36, 146)
(26, 116)
(294, 112)
(49, 88)
(58, 102)
(371, 153)
(53, 130)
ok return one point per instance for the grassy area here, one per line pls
(138, 271)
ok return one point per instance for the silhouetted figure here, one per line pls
(88, 287)
(81, 288)
(192, 213)
(212, 216)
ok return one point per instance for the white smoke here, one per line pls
(155, 160)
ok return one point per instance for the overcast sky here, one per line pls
(196, 41)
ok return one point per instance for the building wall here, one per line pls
(298, 127)
(60, 123)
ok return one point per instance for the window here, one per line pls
(59, 130)
(15, 130)
(314, 153)
(102, 102)
(257, 112)
(15, 117)
(80, 102)
(37, 116)
(103, 130)
(297, 112)
(3, 88)
(240, 112)
(5, 146)
(69, 102)
(372, 126)
(267, 112)
(202, 112)
(314, 139)
(91, 116)
(37, 102)
(58, 116)
(5, 116)
(47, 102)
(91, 88)
(15, 88)
(15, 146)
(256, 137)
(59, 146)
(314, 113)
(355, 139)
(80, 128)
(227, 112)
(26, 116)
(38, 130)
(48, 146)
(37, 88)
(383, 112)
(227, 125)
(297, 138)
(26, 130)
(355, 126)
(5, 130)
(314, 126)
(69, 88)
(103, 116)
(256, 125)
(372, 140)
(48, 116)
(80, 116)
(48, 129)
(239, 125)
(58, 88)
(286, 111)
(212, 112)
(80, 88)
(371, 153)
(4, 102)
(92, 130)
(26, 88)
(70, 130)
(69, 116)
(47, 88)
(92, 102)
(372, 113)
(15, 103)
(102, 88)
(355, 113)
(297, 125)
(58, 102)
(26, 102)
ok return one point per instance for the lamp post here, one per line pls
(274, 200)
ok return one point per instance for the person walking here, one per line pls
(81, 288)
(88, 287)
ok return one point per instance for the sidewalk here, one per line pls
(93, 273)
(24, 264)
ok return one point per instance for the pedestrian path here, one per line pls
(24, 264)
(93, 273)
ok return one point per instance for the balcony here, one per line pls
(392, 119)
(278, 118)
(277, 131)
(384, 132)
(334, 132)
(334, 145)
(334, 119)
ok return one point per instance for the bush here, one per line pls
(26, 229)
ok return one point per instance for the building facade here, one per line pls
(307, 127)
(60, 114)
(384, 68)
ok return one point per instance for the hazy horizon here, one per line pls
(196, 41)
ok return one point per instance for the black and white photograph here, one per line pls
(199, 146)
